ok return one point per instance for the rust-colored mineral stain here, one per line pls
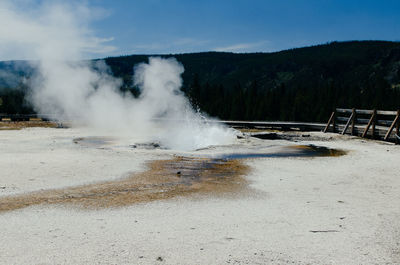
(164, 179)
(313, 150)
(17, 125)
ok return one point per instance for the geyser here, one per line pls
(87, 94)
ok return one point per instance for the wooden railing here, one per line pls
(375, 124)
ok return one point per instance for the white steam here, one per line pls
(87, 94)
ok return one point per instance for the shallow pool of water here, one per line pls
(289, 151)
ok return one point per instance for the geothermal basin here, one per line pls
(326, 198)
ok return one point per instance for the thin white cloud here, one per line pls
(241, 47)
(98, 45)
(177, 45)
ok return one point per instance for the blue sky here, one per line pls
(175, 26)
(180, 26)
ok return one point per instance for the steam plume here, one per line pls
(87, 93)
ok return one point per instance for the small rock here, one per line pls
(159, 259)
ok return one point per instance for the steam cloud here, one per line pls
(84, 92)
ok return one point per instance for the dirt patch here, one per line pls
(17, 125)
(164, 179)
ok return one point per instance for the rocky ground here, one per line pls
(282, 209)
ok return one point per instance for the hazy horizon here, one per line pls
(209, 51)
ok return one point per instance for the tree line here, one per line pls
(303, 84)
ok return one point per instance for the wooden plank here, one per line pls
(329, 122)
(343, 110)
(374, 124)
(364, 111)
(369, 124)
(386, 123)
(362, 121)
(348, 123)
(275, 125)
(344, 119)
(398, 130)
(392, 126)
(386, 112)
(353, 121)
(379, 132)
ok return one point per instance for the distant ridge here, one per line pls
(302, 84)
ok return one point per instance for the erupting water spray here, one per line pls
(87, 94)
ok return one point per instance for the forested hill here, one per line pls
(298, 84)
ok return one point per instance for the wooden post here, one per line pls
(329, 122)
(374, 124)
(353, 121)
(369, 123)
(334, 123)
(348, 123)
(398, 128)
(392, 126)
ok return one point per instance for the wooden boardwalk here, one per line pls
(277, 125)
(374, 124)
